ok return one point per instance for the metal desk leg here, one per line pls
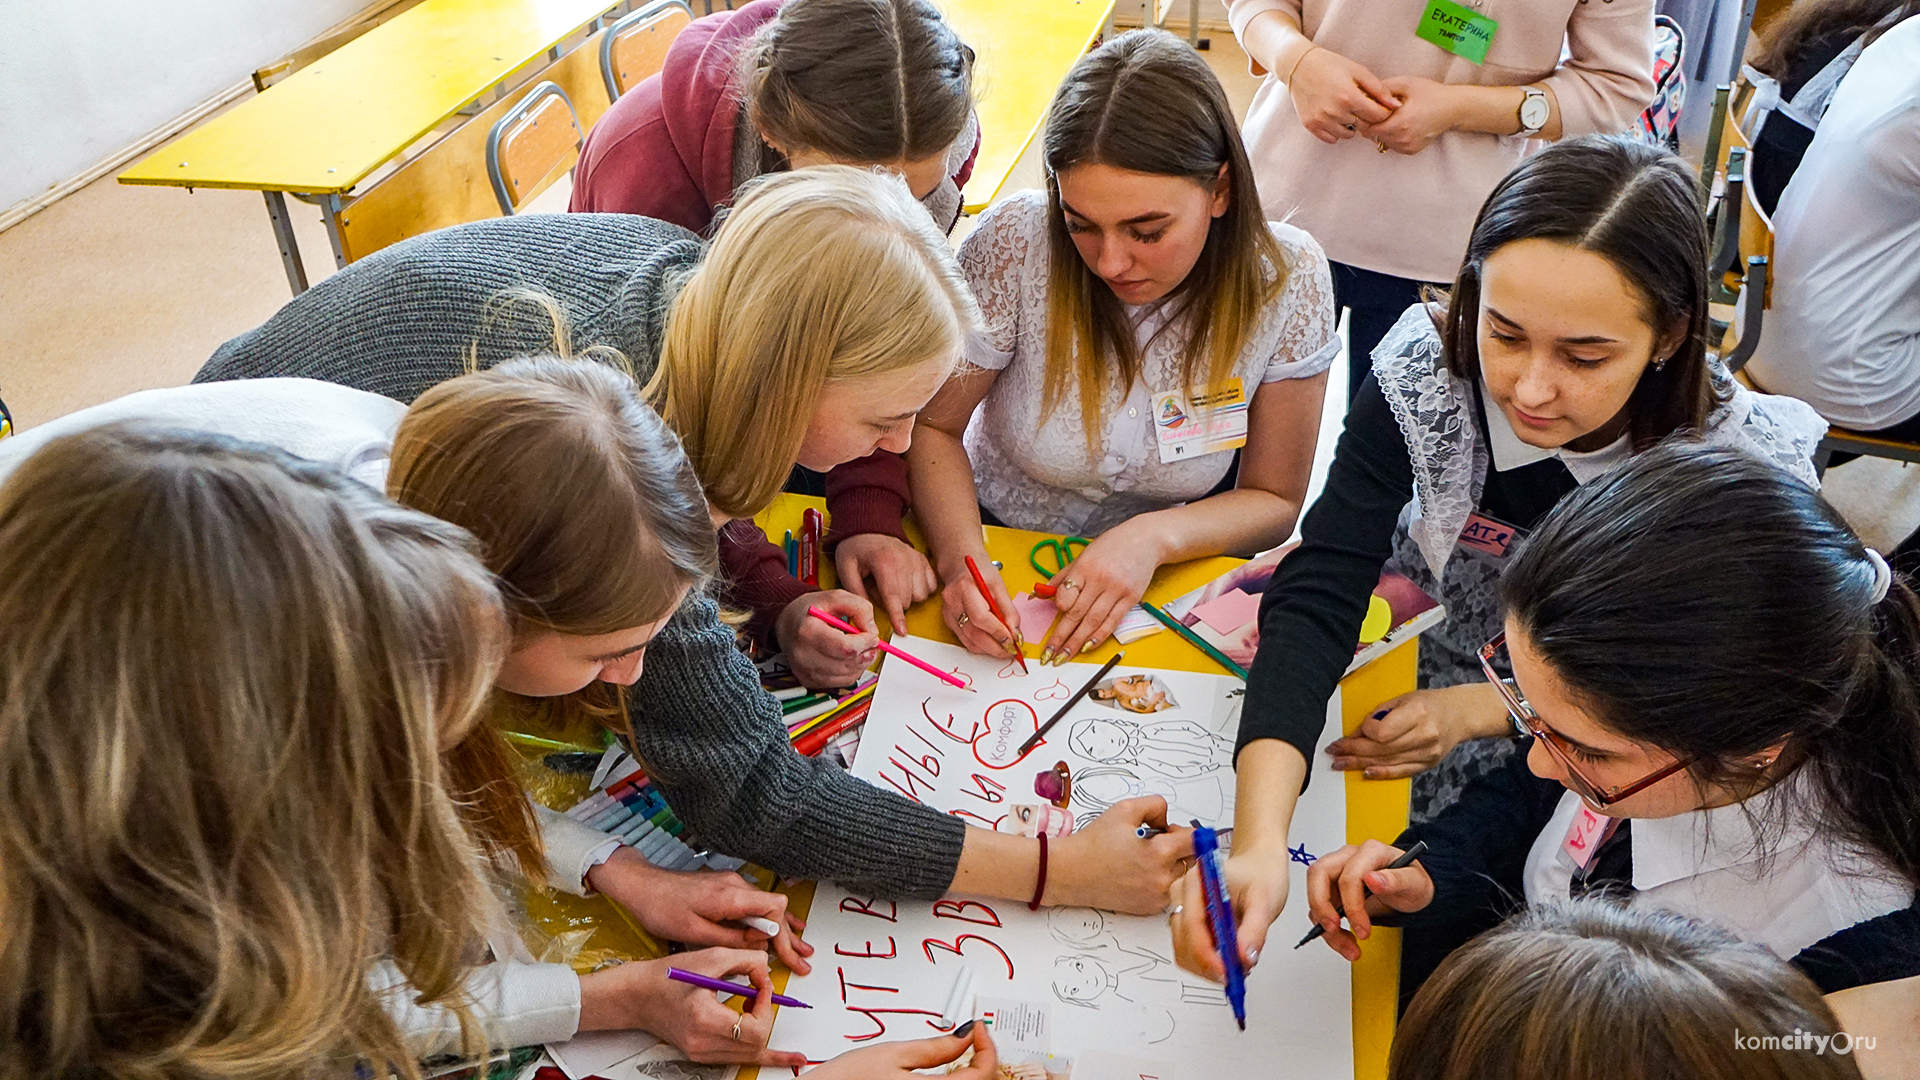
(330, 209)
(289, 247)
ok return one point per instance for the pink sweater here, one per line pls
(1409, 216)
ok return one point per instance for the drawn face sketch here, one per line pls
(1099, 740)
(1076, 925)
(1080, 980)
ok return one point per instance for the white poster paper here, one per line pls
(1096, 991)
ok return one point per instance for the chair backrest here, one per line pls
(1750, 277)
(636, 46)
(532, 146)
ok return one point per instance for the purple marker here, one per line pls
(723, 986)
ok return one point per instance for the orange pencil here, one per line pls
(981, 580)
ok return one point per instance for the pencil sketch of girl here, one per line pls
(1172, 748)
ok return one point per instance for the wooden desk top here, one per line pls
(1023, 49)
(327, 126)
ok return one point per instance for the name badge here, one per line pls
(1206, 423)
(1459, 30)
(1585, 834)
(1489, 535)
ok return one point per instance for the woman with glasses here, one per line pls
(1719, 692)
(1574, 338)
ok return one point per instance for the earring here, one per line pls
(1660, 364)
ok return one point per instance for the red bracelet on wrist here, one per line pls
(1040, 886)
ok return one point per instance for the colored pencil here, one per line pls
(539, 743)
(1195, 640)
(1034, 739)
(994, 606)
(722, 986)
(848, 628)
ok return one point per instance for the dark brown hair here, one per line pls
(1633, 205)
(1787, 37)
(1700, 600)
(861, 81)
(1591, 990)
(1147, 103)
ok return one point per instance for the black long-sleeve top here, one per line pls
(1310, 616)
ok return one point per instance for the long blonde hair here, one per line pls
(818, 275)
(587, 512)
(1147, 103)
(223, 679)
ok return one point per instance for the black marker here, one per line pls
(1401, 863)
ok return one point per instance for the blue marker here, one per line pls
(1206, 851)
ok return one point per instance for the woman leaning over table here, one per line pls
(1383, 144)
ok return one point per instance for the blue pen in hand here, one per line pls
(1226, 936)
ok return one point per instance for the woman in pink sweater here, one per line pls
(1383, 125)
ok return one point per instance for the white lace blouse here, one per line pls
(1041, 476)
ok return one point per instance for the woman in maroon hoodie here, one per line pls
(774, 85)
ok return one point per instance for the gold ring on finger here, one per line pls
(962, 620)
(736, 1032)
(1069, 584)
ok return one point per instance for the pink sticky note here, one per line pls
(1036, 615)
(1229, 611)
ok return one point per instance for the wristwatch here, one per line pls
(1534, 111)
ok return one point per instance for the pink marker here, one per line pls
(848, 628)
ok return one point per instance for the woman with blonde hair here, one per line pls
(228, 675)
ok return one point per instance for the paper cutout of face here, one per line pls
(1031, 821)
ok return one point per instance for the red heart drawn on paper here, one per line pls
(1059, 691)
(1009, 723)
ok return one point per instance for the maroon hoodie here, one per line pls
(665, 150)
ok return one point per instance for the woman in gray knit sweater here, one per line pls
(825, 315)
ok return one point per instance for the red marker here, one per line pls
(810, 530)
(981, 580)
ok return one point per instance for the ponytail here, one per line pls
(1870, 779)
(1700, 600)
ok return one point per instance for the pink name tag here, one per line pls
(1585, 834)
(1489, 535)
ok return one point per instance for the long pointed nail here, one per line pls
(964, 1030)
(1046, 656)
(1086, 646)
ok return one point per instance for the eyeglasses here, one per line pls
(1527, 722)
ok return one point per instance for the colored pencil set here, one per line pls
(633, 811)
(812, 736)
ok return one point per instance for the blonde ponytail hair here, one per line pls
(818, 275)
(223, 681)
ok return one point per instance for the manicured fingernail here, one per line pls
(1087, 647)
(964, 1030)
(1380, 715)
(1372, 774)
(1253, 957)
(1046, 656)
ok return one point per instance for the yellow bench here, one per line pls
(326, 128)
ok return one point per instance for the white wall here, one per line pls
(81, 80)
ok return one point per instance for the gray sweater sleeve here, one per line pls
(714, 744)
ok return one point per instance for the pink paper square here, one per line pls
(1229, 611)
(1036, 615)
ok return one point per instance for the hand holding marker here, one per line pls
(1418, 849)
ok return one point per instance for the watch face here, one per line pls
(1533, 112)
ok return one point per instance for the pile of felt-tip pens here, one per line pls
(632, 810)
(815, 719)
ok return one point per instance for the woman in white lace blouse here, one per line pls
(1142, 281)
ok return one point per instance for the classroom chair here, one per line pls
(533, 145)
(636, 46)
(1742, 261)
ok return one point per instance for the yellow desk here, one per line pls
(1022, 49)
(1375, 808)
(325, 128)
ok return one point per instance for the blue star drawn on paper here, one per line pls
(1300, 855)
